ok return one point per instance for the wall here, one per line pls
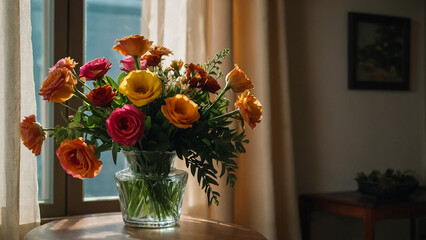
(339, 132)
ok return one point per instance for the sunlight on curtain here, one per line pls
(18, 183)
(264, 198)
(190, 29)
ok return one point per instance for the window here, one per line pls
(84, 30)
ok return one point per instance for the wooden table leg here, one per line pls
(369, 224)
(413, 228)
(305, 211)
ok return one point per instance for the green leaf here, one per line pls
(122, 75)
(199, 175)
(206, 141)
(111, 82)
(115, 149)
(148, 122)
(165, 124)
(193, 169)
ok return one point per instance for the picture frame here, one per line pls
(379, 52)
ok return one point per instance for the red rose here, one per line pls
(126, 125)
(101, 96)
(95, 69)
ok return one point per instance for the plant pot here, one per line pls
(150, 190)
(393, 191)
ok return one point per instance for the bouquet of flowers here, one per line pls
(177, 108)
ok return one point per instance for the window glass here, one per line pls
(105, 22)
(40, 37)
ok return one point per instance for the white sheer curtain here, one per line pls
(19, 210)
(264, 198)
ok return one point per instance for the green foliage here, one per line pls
(388, 178)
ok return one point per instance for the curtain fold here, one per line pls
(19, 210)
(264, 198)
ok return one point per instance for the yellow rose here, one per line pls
(141, 87)
(180, 111)
(238, 80)
(250, 108)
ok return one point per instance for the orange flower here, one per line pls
(78, 159)
(58, 86)
(64, 62)
(32, 134)
(250, 108)
(180, 111)
(134, 45)
(238, 80)
(160, 51)
(176, 64)
(151, 59)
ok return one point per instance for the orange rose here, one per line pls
(64, 62)
(32, 134)
(238, 80)
(180, 111)
(78, 159)
(250, 108)
(134, 45)
(58, 86)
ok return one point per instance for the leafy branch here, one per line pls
(212, 67)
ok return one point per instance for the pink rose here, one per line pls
(95, 69)
(129, 64)
(126, 125)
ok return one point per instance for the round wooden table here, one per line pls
(111, 226)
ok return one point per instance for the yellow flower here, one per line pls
(141, 87)
(238, 80)
(180, 111)
(176, 64)
(250, 108)
(134, 45)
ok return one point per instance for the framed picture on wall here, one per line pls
(379, 52)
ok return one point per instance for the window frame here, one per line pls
(68, 194)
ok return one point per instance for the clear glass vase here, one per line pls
(151, 189)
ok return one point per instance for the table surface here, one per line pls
(111, 226)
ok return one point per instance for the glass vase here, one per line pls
(150, 189)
